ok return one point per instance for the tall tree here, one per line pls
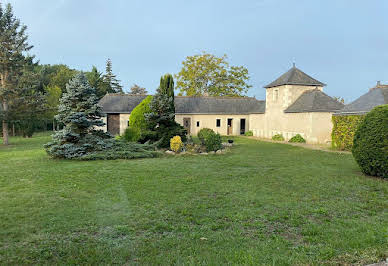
(95, 80)
(80, 113)
(206, 74)
(14, 45)
(136, 89)
(110, 79)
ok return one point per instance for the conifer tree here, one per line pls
(110, 79)
(13, 46)
(80, 113)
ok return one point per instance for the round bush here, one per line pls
(297, 139)
(176, 144)
(203, 133)
(213, 142)
(137, 120)
(278, 137)
(370, 143)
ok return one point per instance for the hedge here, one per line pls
(344, 128)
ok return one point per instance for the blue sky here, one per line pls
(343, 43)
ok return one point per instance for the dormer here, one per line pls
(284, 91)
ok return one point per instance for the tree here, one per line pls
(53, 94)
(95, 80)
(136, 89)
(14, 45)
(80, 114)
(339, 99)
(137, 121)
(206, 74)
(161, 119)
(62, 77)
(110, 79)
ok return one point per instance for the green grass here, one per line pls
(262, 203)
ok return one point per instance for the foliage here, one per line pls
(96, 81)
(136, 89)
(112, 83)
(278, 137)
(137, 120)
(122, 150)
(249, 133)
(80, 113)
(213, 142)
(131, 135)
(84, 213)
(206, 74)
(344, 128)
(62, 76)
(297, 139)
(370, 147)
(161, 125)
(203, 133)
(176, 144)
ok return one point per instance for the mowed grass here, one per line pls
(261, 203)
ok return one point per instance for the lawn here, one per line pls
(261, 203)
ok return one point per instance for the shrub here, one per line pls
(249, 133)
(213, 142)
(176, 144)
(131, 135)
(203, 133)
(278, 137)
(343, 131)
(370, 145)
(297, 139)
(137, 121)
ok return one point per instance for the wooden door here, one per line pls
(113, 124)
(230, 126)
(187, 124)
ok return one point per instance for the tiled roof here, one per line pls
(314, 101)
(295, 76)
(375, 96)
(125, 103)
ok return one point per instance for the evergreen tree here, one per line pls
(110, 79)
(161, 120)
(14, 45)
(95, 80)
(80, 113)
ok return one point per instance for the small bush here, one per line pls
(278, 137)
(297, 139)
(176, 144)
(203, 133)
(131, 134)
(213, 142)
(249, 133)
(370, 144)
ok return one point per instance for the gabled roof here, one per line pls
(314, 101)
(120, 103)
(375, 97)
(295, 76)
(218, 105)
(125, 103)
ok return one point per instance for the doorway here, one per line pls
(242, 126)
(230, 126)
(187, 124)
(113, 124)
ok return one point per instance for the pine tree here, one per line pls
(80, 113)
(95, 80)
(110, 79)
(14, 45)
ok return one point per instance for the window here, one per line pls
(218, 122)
(197, 123)
(128, 122)
(275, 95)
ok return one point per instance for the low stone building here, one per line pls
(295, 104)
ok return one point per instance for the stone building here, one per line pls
(295, 104)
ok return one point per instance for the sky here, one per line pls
(343, 43)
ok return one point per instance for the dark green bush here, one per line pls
(370, 144)
(297, 139)
(213, 142)
(249, 133)
(278, 137)
(203, 133)
(344, 127)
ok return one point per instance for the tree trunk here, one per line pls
(13, 130)
(5, 124)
